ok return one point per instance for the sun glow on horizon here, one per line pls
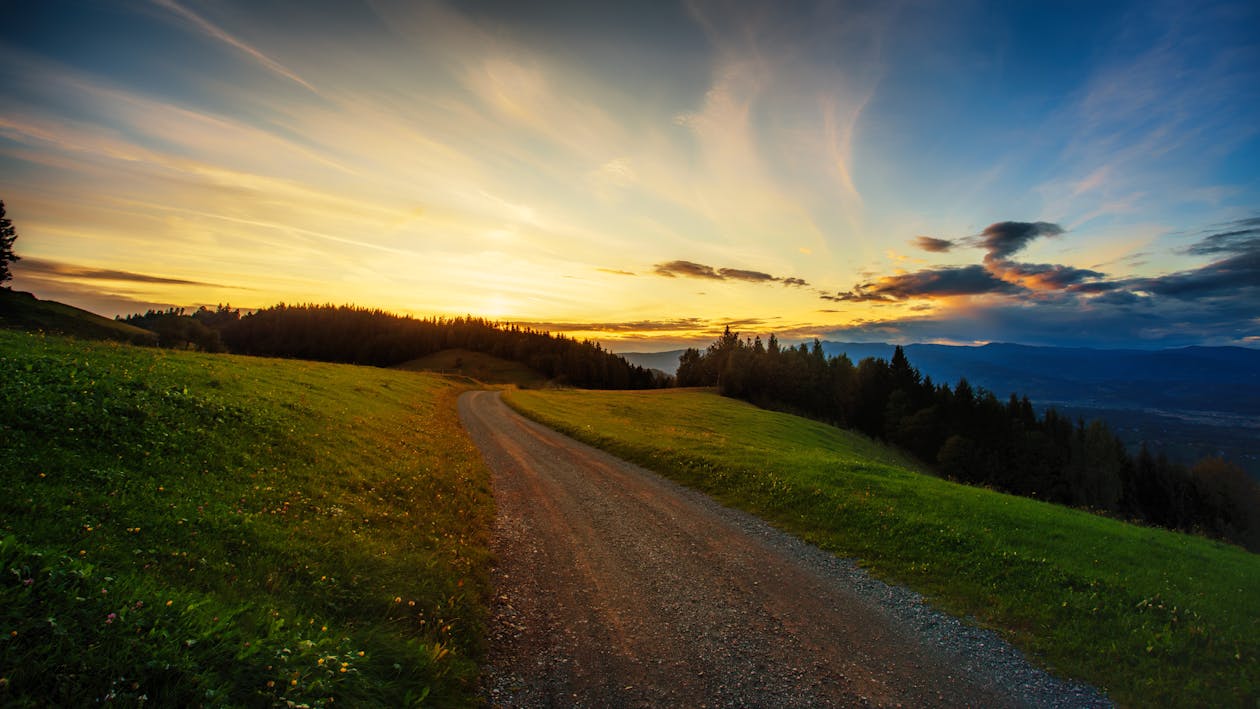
(647, 175)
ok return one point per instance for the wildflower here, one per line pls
(293, 683)
(324, 629)
(168, 603)
(411, 603)
(397, 599)
(271, 683)
(110, 618)
(360, 653)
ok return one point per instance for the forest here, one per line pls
(972, 436)
(366, 336)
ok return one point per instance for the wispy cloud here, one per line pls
(212, 30)
(691, 269)
(933, 244)
(46, 267)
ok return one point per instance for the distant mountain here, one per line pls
(22, 311)
(1208, 379)
(1188, 402)
(666, 362)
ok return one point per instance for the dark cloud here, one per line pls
(691, 269)
(1136, 321)
(1042, 276)
(1241, 236)
(1003, 239)
(929, 283)
(1236, 278)
(737, 274)
(687, 269)
(933, 244)
(616, 271)
(65, 270)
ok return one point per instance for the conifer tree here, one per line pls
(8, 234)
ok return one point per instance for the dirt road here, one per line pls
(618, 588)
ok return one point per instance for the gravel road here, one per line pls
(617, 588)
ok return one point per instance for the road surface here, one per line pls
(617, 588)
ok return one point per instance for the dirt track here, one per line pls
(618, 588)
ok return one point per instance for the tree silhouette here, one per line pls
(8, 235)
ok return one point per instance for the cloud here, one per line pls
(212, 30)
(65, 270)
(616, 271)
(687, 325)
(691, 269)
(1042, 276)
(1003, 239)
(1236, 278)
(1242, 236)
(928, 283)
(933, 244)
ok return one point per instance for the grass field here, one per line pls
(480, 367)
(189, 529)
(1154, 618)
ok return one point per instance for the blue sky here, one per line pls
(646, 173)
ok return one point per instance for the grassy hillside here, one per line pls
(225, 531)
(1153, 617)
(23, 311)
(484, 368)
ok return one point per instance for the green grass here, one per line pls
(23, 311)
(482, 368)
(1154, 618)
(232, 531)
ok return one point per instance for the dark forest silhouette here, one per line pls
(366, 336)
(972, 436)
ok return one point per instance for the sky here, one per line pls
(645, 174)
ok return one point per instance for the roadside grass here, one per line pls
(484, 368)
(212, 530)
(1152, 617)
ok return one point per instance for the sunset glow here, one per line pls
(646, 175)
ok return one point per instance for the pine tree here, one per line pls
(7, 236)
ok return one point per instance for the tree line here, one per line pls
(971, 436)
(366, 336)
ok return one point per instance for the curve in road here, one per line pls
(616, 587)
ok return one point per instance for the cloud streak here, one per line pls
(933, 244)
(65, 270)
(691, 269)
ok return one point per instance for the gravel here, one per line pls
(618, 588)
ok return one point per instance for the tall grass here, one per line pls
(1153, 617)
(189, 529)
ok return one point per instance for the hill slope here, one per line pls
(23, 311)
(218, 530)
(481, 367)
(1153, 617)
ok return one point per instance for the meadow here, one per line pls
(185, 529)
(1154, 618)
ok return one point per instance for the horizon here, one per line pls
(1049, 175)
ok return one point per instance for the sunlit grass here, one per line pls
(1153, 617)
(192, 529)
